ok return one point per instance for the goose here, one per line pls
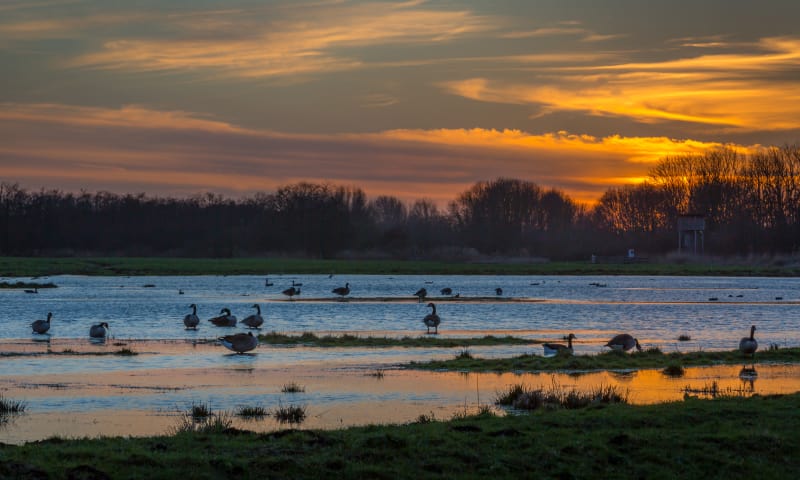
(226, 320)
(291, 292)
(295, 284)
(342, 291)
(99, 330)
(556, 348)
(255, 320)
(35, 290)
(421, 294)
(267, 283)
(432, 320)
(498, 291)
(447, 291)
(623, 342)
(191, 320)
(42, 326)
(240, 342)
(749, 345)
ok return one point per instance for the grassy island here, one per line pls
(347, 340)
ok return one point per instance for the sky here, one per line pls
(416, 99)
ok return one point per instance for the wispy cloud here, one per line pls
(140, 149)
(726, 91)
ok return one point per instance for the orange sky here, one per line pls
(416, 99)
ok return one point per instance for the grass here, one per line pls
(674, 370)
(9, 407)
(347, 340)
(293, 388)
(612, 360)
(522, 397)
(199, 411)
(15, 285)
(292, 414)
(694, 439)
(43, 266)
(252, 412)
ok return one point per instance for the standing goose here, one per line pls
(255, 320)
(432, 320)
(191, 320)
(224, 320)
(749, 345)
(421, 294)
(556, 348)
(99, 330)
(446, 291)
(623, 342)
(342, 291)
(267, 283)
(42, 326)
(240, 342)
(291, 292)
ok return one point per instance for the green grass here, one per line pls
(612, 360)
(253, 412)
(522, 397)
(696, 439)
(292, 414)
(42, 266)
(8, 407)
(293, 387)
(347, 340)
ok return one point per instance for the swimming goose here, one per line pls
(342, 291)
(291, 292)
(99, 330)
(421, 294)
(42, 326)
(749, 345)
(432, 320)
(240, 342)
(225, 320)
(556, 348)
(191, 320)
(255, 320)
(267, 283)
(623, 342)
(35, 290)
(498, 291)
(447, 291)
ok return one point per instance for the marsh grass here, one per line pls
(252, 412)
(379, 374)
(348, 340)
(673, 370)
(292, 414)
(199, 411)
(214, 422)
(713, 390)
(521, 397)
(10, 407)
(126, 352)
(464, 354)
(611, 360)
(293, 387)
(8, 285)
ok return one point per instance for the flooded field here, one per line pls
(83, 394)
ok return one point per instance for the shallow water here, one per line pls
(141, 395)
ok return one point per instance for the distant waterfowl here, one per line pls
(446, 291)
(432, 320)
(240, 342)
(713, 299)
(191, 320)
(291, 292)
(342, 291)
(421, 294)
(555, 348)
(42, 326)
(224, 320)
(498, 291)
(749, 345)
(255, 320)
(35, 290)
(623, 342)
(778, 298)
(180, 292)
(267, 283)
(295, 284)
(98, 330)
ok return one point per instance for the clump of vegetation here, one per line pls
(125, 352)
(217, 422)
(522, 397)
(293, 387)
(199, 410)
(773, 347)
(673, 370)
(424, 418)
(252, 412)
(713, 390)
(348, 340)
(684, 337)
(464, 355)
(377, 374)
(8, 407)
(292, 414)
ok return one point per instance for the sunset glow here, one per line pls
(415, 99)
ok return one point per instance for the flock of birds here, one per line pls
(244, 342)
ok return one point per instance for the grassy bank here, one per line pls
(611, 360)
(31, 267)
(724, 438)
(309, 339)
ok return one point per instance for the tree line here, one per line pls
(751, 203)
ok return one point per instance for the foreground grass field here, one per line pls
(32, 267)
(611, 360)
(757, 437)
